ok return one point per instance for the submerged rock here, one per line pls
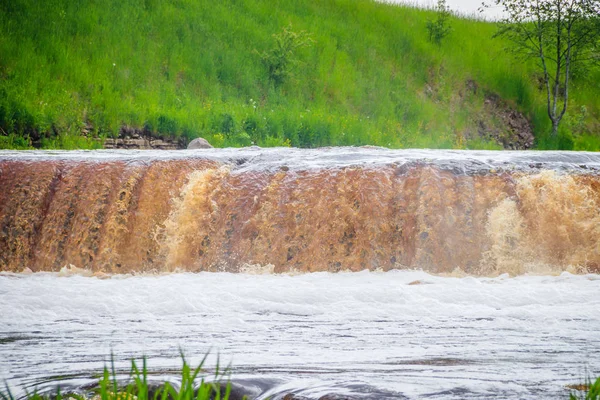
(331, 396)
(199, 143)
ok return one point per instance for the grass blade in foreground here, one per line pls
(587, 391)
(138, 388)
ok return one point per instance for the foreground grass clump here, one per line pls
(587, 391)
(75, 72)
(137, 387)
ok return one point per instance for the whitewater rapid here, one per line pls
(396, 334)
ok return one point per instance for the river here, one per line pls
(360, 272)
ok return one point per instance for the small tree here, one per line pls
(281, 59)
(439, 28)
(560, 35)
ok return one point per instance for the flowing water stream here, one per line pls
(368, 273)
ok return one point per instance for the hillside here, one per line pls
(75, 72)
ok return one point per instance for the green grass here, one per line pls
(194, 68)
(137, 387)
(589, 391)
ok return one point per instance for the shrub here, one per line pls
(439, 28)
(281, 59)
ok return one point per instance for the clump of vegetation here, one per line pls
(588, 391)
(282, 58)
(137, 387)
(439, 28)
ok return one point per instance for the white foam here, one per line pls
(255, 158)
(508, 337)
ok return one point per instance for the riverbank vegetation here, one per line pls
(360, 73)
(136, 386)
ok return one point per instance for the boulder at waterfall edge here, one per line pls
(199, 143)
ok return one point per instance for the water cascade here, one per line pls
(482, 213)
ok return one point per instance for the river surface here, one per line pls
(377, 335)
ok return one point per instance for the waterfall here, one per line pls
(481, 213)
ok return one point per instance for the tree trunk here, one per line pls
(555, 127)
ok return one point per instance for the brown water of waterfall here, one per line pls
(482, 213)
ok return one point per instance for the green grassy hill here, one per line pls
(74, 71)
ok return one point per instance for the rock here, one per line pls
(291, 396)
(239, 392)
(141, 138)
(199, 143)
(136, 143)
(513, 132)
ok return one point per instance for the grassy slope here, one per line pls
(192, 67)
